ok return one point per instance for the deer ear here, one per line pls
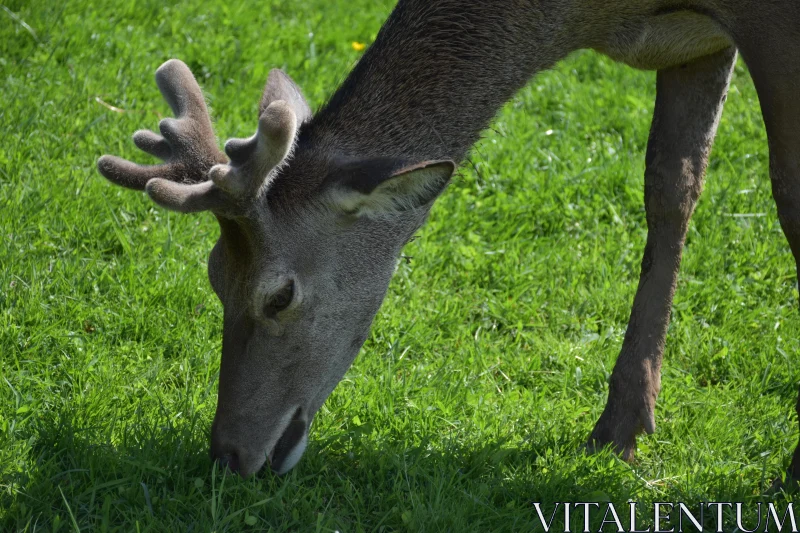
(281, 87)
(384, 186)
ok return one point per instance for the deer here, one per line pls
(314, 209)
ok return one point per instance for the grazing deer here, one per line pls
(313, 211)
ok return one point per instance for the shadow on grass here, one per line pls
(155, 476)
(100, 474)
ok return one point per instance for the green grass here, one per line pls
(488, 363)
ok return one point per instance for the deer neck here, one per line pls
(435, 77)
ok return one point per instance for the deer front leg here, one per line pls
(781, 109)
(689, 100)
(775, 68)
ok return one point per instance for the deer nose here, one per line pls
(229, 461)
(222, 453)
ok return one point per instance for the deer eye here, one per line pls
(280, 300)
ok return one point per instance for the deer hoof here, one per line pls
(618, 431)
(788, 484)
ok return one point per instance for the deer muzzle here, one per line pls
(244, 455)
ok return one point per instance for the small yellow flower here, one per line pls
(358, 47)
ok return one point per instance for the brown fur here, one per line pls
(330, 221)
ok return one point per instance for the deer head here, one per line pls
(309, 238)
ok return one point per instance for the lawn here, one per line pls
(488, 362)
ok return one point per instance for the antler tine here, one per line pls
(203, 196)
(187, 145)
(254, 158)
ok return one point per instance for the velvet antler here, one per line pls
(195, 175)
(186, 144)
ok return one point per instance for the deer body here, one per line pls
(309, 240)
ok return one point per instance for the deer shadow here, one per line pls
(163, 468)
